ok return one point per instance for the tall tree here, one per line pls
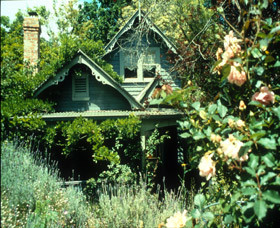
(102, 16)
(11, 43)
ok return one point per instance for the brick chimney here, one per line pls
(31, 40)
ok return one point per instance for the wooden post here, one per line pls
(143, 146)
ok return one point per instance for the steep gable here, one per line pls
(81, 85)
(132, 23)
(138, 53)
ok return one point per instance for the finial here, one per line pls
(32, 14)
(139, 9)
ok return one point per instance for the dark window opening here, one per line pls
(130, 73)
(149, 73)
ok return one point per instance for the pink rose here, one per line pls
(215, 138)
(207, 167)
(264, 96)
(231, 45)
(177, 220)
(231, 147)
(232, 49)
(235, 77)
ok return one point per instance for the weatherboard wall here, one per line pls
(102, 97)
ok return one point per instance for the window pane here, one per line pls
(149, 73)
(130, 73)
(130, 60)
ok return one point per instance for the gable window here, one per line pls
(80, 87)
(140, 68)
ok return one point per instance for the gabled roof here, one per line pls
(147, 91)
(109, 47)
(97, 72)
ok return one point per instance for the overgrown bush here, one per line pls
(108, 142)
(31, 193)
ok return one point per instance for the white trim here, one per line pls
(109, 47)
(83, 96)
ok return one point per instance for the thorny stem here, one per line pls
(236, 31)
(235, 166)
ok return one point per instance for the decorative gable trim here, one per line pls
(148, 90)
(109, 47)
(99, 74)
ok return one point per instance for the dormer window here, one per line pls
(80, 88)
(140, 68)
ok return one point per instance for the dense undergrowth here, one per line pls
(32, 196)
(31, 193)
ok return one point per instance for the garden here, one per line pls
(229, 63)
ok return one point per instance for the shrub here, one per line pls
(31, 194)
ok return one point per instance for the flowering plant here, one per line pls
(234, 139)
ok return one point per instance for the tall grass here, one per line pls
(31, 195)
(124, 206)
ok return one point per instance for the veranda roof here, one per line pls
(114, 114)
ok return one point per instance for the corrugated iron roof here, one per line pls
(107, 114)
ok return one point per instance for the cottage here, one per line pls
(138, 54)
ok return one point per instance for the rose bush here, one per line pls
(234, 140)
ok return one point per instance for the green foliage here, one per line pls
(19, 119)
(118, 174)
(234, 138)
(101, 17)
(153, 156)
(122, 137)
(55, 54)
(31, 195)
(154, 141)
(72, 36)
(11, 43)
(86, 133)
(115, 174)
(114, 141)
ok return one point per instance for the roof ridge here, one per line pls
(109, 47)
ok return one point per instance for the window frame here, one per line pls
(82, 96)
(140, 69)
